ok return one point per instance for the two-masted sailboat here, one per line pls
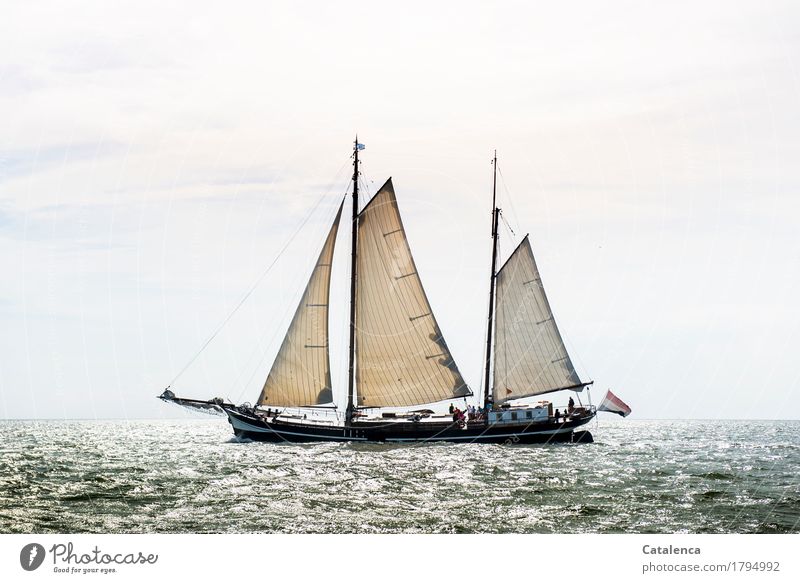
(398, 357)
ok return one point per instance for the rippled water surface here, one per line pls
(190, 476)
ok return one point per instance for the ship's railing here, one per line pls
(565, 408)
(334, 415)
(584, 410)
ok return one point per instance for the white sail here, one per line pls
(301, 373)
(529, 355)
(401, 357)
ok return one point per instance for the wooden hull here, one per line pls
(248, 426)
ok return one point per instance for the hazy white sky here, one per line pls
(154, 158)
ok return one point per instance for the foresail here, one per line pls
(529, 354)
(401, 356)
(301, 373)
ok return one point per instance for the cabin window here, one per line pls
(514, 416)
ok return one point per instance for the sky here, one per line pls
(155, 158)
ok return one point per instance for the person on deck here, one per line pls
(557, 415)
(571, 405)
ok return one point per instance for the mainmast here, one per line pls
(492, 277)
(352, 347)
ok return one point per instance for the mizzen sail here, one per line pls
(301, 373)
(401, 356)
(529, 355)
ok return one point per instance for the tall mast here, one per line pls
(492, 277)
(352, 346)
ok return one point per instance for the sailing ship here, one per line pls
(398, 358)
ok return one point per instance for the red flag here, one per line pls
(614, 404)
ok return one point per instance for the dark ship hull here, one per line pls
(248, 425)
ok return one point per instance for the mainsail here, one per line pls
(529, 356)
(301, 373)
(401, 356)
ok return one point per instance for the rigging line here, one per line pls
(227, 319)
(276, 331)
(499, 310)
(508, 196)
(486, 338)
(343, 346)
(363, 185)
(508, 228)
(497, 306)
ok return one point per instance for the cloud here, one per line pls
(17, 163)
(154, 158)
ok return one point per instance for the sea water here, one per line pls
(191, 476)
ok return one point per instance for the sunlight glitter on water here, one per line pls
(189, 476)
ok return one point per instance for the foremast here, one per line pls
(353, 275)
(492, 279)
